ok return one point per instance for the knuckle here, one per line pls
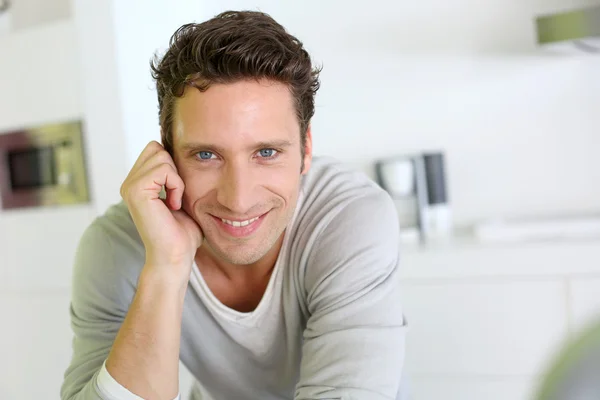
(165, 168)
(153, 144)
(164, 157)
(126, 194)
(148, 149)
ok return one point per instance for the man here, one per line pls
(269, 274)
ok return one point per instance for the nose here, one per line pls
(235, 190)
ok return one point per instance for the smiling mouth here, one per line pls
(239, 223)
(240, 228)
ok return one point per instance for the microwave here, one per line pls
(43, 166)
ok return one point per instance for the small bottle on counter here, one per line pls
(437, 215)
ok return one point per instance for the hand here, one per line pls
(171, 237)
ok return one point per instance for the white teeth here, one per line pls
(238, 224)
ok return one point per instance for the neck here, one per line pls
(207, 258)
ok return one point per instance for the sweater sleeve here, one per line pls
(101, 294)
(354, 339)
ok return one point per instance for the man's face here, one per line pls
(237, 148)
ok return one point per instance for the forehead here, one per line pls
(241, 110)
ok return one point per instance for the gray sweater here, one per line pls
(329, 326)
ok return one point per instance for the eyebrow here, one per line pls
(194, 147)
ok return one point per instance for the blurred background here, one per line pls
(518, 124)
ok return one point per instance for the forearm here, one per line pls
(145, 355)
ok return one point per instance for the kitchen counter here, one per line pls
(464, 257)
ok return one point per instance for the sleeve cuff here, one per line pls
(110, 389)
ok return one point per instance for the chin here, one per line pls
(238, 254)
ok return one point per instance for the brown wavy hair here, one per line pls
(233, 46)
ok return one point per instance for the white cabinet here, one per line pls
(471, 388)
(30, 97)
(483, 328)
(30, 13)
(37, 247)
(35, 343)
(485, 321)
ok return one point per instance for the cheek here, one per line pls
(284, 183)
(197, 184)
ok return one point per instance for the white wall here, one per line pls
(519, 132)
(138, 38)
(39, 83)
(101, 102)
(518, 126)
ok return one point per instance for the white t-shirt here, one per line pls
(329, 326)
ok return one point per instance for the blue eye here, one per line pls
(205, 155)
(267, 153)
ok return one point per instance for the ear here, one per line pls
(307, 151)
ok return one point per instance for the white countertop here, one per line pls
(465, 257)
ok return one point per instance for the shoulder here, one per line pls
(335, 197)
(108, 259)
(113, 230)
(346, 222)
(118, 225)
(329, 179)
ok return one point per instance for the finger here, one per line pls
(174, 198)
(171, 196)
(150, 151)
(166, 175)
(150, 163)
(157, 159)
(148, 186)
